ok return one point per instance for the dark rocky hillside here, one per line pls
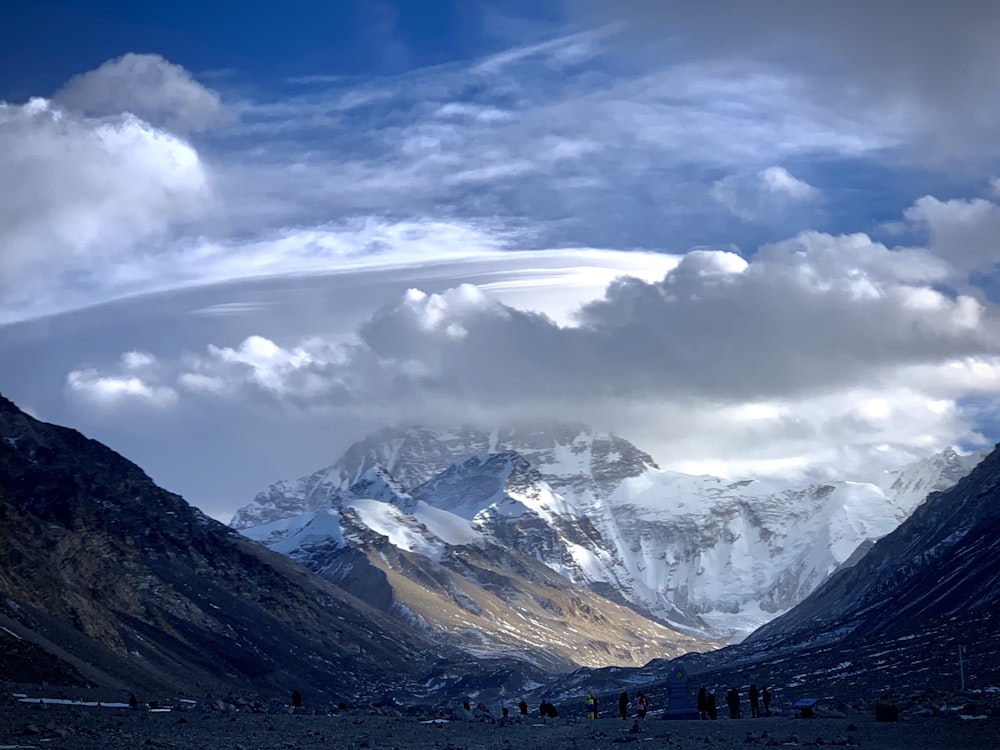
(109, 580)
(891, 622)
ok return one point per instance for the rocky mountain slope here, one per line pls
(441, 569)
(891, 624)
(711, 556)
(942, 562)
(107, 579)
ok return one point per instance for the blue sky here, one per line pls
(756, 243)
(265, 42)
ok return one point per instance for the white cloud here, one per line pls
(764, 196)
(477, 112)
(109, 391)
(196, 382)
(965, 233)
(137, 360)
(537, 147)
(90, 195)
(818, 350)
(780, 180)
(858, 257)
(272, 368)
(563, 50)
(147, 86)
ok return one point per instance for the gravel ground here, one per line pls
(102, 728)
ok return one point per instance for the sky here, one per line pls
(756, 239)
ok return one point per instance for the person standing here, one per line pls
(504, 706)
(523, 707)
(766, 697)
(754, 701)
(702, 703)
(591, 704)
(641, 705)
(713, 709)
(733, 701)
(623, 704)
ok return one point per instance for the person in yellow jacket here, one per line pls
(591, 705)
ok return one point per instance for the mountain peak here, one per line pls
(377, 483)
(571, 458)
(716, 555)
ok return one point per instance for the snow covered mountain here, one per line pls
(711, 556)
(896, 618)
(438, 567)
(573, 460)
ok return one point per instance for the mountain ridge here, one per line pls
(703, 554)
(126, 585)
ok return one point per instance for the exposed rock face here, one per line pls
(128, 586)
(444, 569)
(894, 620)
(941, 562)
(712, 556)
(889, 622)
(570, 458)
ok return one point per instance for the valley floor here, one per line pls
(102, 728)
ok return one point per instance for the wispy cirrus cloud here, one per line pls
(542, 143)
(868, 60)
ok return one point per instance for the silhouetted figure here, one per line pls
(733, 701)
(754, 701)
(523, 707)
(641, 705)
(623, 705)
(548, 710)
(702, 704)
(132, 702)
(713, 710)
(766, 697)
(296, 699)
(504, 707)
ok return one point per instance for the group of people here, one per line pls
(760, 705)
(708, 710)
(482, 712)
(592, 705)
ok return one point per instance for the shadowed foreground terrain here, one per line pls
(103, 728)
